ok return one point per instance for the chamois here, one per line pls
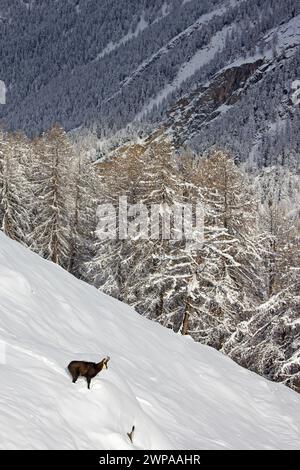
(89, 370)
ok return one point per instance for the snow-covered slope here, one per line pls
(109, 64)
(177, 393)
(249, 107)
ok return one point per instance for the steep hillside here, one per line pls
(177, 393)
(110, 63)
(250, 107)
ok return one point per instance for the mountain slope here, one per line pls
(250, 107)
(177, 393)
(109, 64)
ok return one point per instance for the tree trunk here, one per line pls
(185, 323)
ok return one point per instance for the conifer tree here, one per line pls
(83, 233)
(229, 267)
(54, 189)
(15, 192)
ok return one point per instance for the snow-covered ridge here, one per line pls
(172, 44)
(199, 59)
(141, 26)
(177, 393)
(288, 35)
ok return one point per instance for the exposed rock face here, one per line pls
(205, 103)
(193, 111)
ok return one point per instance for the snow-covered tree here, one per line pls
(83, 231)
(228, 277)
(15, 192)
(54, 191)
(268, 342)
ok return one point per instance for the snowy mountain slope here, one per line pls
(200, 58)
(177, 393)
(92, 52)
(250, 106)
(187, 70)
(104, 65)
(232, 88)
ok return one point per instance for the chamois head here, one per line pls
(103, 364)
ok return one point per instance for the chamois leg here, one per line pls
(88, 379)
(75, 375)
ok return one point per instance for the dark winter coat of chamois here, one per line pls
(89, 370)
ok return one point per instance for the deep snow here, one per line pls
(177, 393)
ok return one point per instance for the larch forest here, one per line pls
(156, 103)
